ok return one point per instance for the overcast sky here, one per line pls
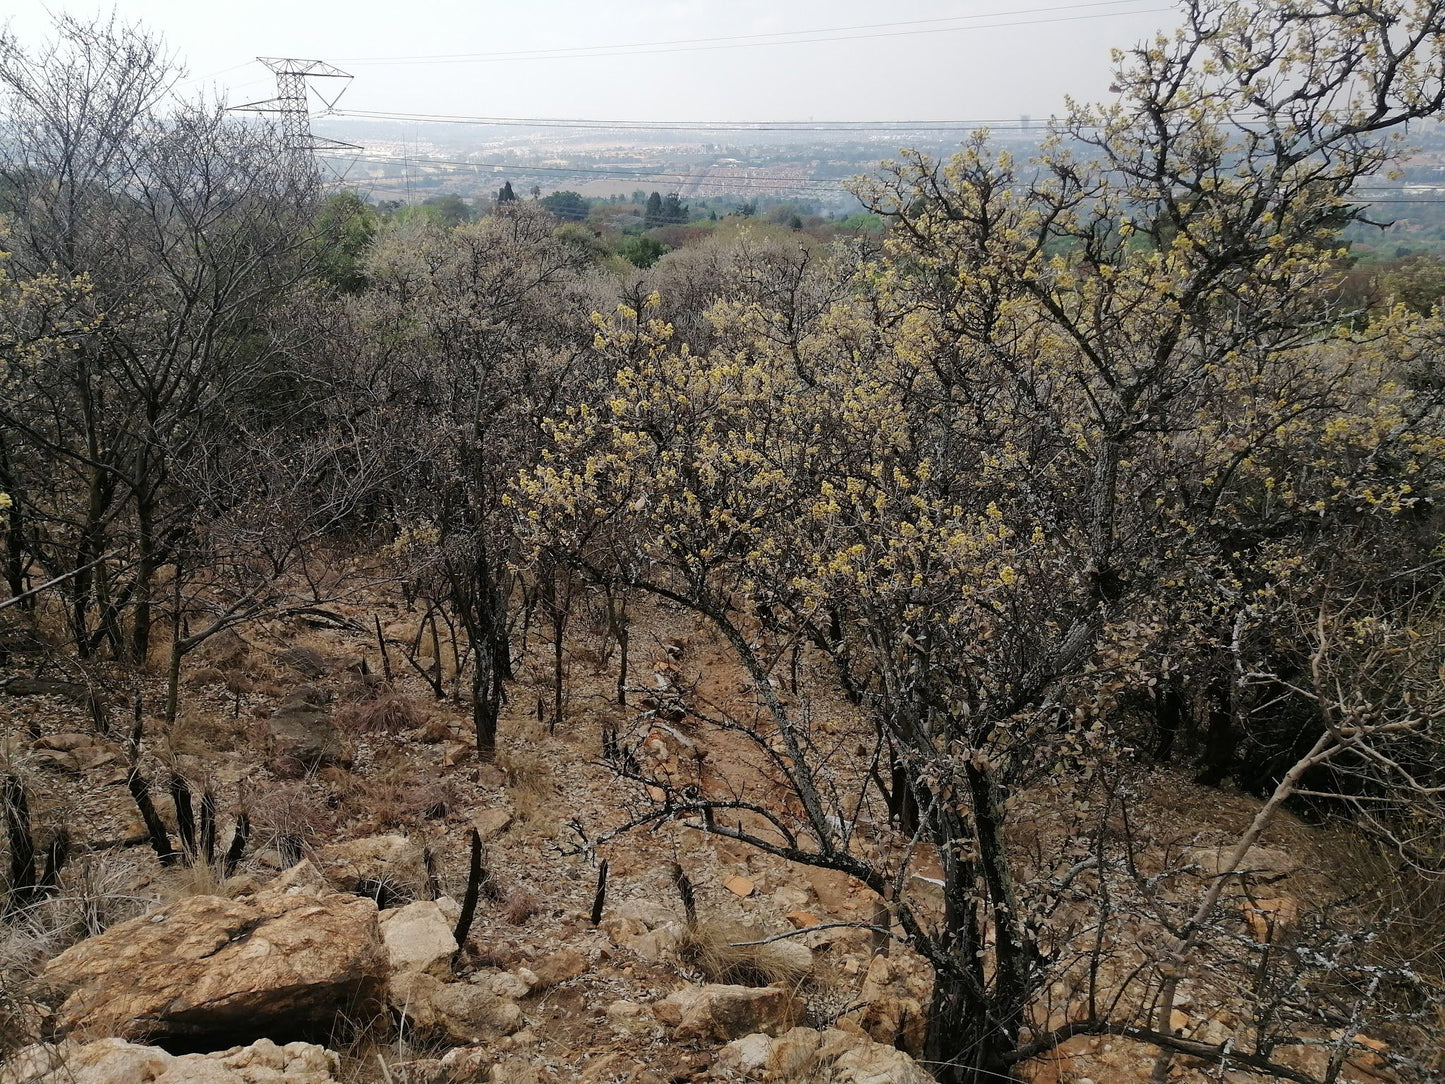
(919, 66)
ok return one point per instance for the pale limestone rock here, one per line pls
(748, 1054)
(721, 1013)
(391, 861)
(418, 938)
(455, 1012)
(657, 945)
(115, 1061)
(889, 1012)
(491, 823)
(564, 964)
(209, 966)
(451, 910)
(301, 879)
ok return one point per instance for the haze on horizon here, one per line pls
(1013, 59)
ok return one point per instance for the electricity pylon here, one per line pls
(292, 106)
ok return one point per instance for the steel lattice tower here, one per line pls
(291, 103)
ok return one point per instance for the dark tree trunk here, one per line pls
(144, 578)
(14, 523)
(1221, 739)
(961, 1047)
(487, 678)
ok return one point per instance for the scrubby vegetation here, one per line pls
(1049, 555)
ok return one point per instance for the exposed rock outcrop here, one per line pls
(719, 1013)
(842, 1057)
(278, 965)
(891, 1008)
(115, 1061)
(390, 869)
(457, 1013)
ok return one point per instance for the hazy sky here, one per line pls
(917, 67)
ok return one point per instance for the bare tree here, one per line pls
(1068, 394)
(186, 226)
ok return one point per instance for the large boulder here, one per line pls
(277, 965)
(842, 1057)
(115, 1061)
(719, 1012)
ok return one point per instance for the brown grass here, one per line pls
(292, 810)
(520, 906)
(721, 951)
(530, 784)
(390, 713)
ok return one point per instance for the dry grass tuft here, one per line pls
(1403, 906)
(525, 770)
(378, 804)
(96, 891)
(390, 713)
(289, 815)
(720, 950)
(531, 785)
(520, 906)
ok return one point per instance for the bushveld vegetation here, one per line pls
(1082, 463)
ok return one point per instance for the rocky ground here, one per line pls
(329, 951)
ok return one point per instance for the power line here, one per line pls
(797, 37)
(743, 37)
(885, 126)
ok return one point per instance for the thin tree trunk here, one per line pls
(173, 663)
(486, 705)
(144, 577)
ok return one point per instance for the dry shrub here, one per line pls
(519, 906)
(378, 804)
(390, 713)
(525, 770)
(721, 951)
(289, 815)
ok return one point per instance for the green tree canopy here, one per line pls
(567, 205)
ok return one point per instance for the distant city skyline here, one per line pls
(979, 60)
